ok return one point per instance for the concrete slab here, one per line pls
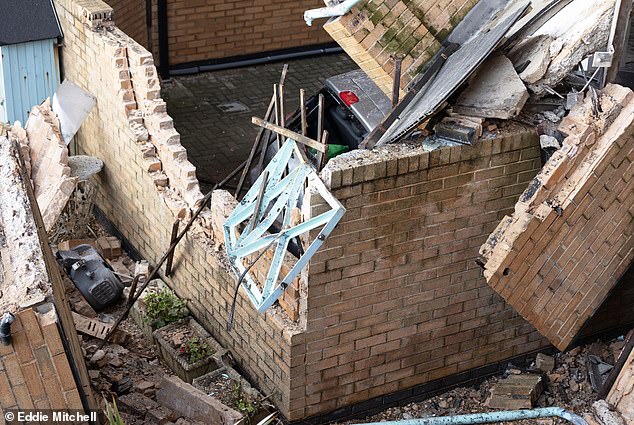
(496, 91)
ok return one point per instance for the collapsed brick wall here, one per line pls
(35, 372)
(395, 298)
(147, 183)
(131, 18)
(376, 32)
(570, 237)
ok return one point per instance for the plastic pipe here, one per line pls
(492, 417)
(5, 328)
(329, 12)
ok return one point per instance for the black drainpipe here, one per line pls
(164, 66)
(5, 328)
(148, 24)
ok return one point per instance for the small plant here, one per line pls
(241, 403)
(195, 349)
(163, 308)
(112, 413)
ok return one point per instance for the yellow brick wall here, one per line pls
(147, 183)
(395, 297)
(375, 32)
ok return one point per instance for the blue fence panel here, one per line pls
(31, 75)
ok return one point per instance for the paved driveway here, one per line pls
(212, 111)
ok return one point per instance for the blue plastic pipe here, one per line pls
(492, 417)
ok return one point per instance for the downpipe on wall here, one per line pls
(5, 328)
(493, 417)
(329, 12)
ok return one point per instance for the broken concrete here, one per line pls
(580, 29)
(496, 91)
(544, 363)
(621, 395)
(532, 57)
(606, 415)
(189, 401)
(570, 238)
(23, 277)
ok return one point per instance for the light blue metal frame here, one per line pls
(283, 194)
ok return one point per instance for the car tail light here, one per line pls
(348, 97)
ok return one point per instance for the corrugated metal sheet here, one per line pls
(30, 75)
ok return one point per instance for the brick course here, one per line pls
(212, 29)
(32, 370)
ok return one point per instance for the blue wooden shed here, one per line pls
(29, 61)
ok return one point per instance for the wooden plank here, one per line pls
(288, 133)
(396, 86)
(302, 108)
(620, 40)
(320, 117)
(170, 258)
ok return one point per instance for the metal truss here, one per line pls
(274, 195)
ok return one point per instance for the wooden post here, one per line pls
(276, 94)
(320, 117)
(302, 108)
(288, 133)
(170, 257)
(323, 157)
(281, 95)
(620, 40)
(396, 86)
